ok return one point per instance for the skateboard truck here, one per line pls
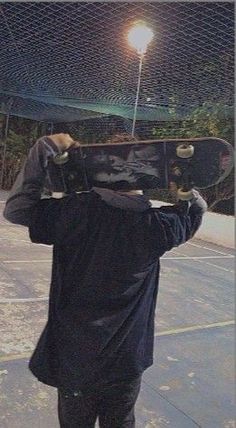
(61, 158)
(176, 171)
(185, 151)
(185, 193)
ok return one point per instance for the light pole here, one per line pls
(139, 38)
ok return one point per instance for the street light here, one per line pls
(139, 38)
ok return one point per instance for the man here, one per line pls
(106, 248)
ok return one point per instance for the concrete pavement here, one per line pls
(191, 382)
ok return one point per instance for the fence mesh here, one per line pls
(66, 62)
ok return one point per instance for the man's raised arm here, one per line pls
(27, 190)
(182, 220)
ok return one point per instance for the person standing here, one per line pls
(107, 245)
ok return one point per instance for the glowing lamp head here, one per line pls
(139, 37)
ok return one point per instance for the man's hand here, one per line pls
(63, 141)
(198, 201)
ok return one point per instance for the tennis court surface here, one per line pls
(191, 383)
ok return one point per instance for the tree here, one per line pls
(15, 147)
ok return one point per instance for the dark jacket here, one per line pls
(106, 250)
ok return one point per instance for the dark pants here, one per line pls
(113, 404)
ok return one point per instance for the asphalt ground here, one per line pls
(191, 383)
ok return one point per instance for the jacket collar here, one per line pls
(123, 200)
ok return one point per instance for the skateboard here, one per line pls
(149, 164)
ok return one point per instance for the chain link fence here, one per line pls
(71, 61)
(68, 67)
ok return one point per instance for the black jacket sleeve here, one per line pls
(44, 221)
(178, 223)
(28, 188)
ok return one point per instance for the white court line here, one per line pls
(194, 328)
(27, 355)
(24, 300)
(217, 266)
(207, 248)
(24, 240)
(197, 257)
(163, 258)
(15, 239)
(188, 243)
(5, 223)
(26, 261)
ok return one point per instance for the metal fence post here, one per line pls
(5, 135)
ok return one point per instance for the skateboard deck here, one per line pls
(149, 164)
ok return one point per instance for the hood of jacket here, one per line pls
(123, 200)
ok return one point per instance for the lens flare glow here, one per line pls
(139, 37)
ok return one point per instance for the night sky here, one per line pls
(79, 51)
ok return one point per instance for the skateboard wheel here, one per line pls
(185, 151)
(61, 158)
(184, 195)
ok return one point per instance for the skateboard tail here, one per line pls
(226, 162)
